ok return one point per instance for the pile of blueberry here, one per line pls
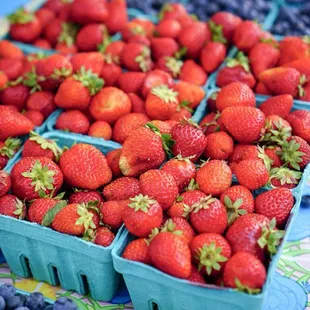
(10, 300)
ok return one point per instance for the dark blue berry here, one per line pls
(14, 302)
(35, 301)
(22, 308)
(305, 201)
(49, 307)
(2, 303)
(64, 303)
(7, 290)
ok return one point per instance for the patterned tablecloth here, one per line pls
(290, 288)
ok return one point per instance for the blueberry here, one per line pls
(23, 297)
(35, 301)
(7, 290)
(2, 303)
(14, 302)
(22, 308)
(305, 201)
(64, 303)
(49, 307)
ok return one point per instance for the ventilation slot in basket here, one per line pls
(26, 266)
(153, 305)
(54, 275)
(84, 284)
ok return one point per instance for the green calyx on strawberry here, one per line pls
(68, 33)
(90, 80)
(285, 175)
(144, 59)
(51, 213)
(217, 32)
(41, 177)
(180, 53)
(204, 203)
(19, 209)
(170, 226)
(306, 39)
(109, 59)
(11, 145)
(20, 16)
(85, 219)
(209, 256)
(185, 105)
(278, 135)
(266, 159)
(174, 65)
(233, 209)
(61, 73)
(31, 79)
(138, 30)
(269, 41)
(46, 144)
(246, 289)
(192, 184)
(165, 93)
(302, 81)
(271, 237)
(106, 40)
(239, 60)
(166, 8)
(290, 154)
(38, 55)
(141, 203)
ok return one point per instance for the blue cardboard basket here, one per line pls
(46, 255)
(150, 288)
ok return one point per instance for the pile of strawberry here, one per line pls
(266, 65)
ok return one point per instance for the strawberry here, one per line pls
(8, 148)
(170, 254)
(11, 206)
(247, 35)
(219, 145)
(281, 80)
(189, 140)
(54, 5)
(10, 50)
(155, 78)
(278, 105)
(164, 127)
(299, 120)
(86, 197)
(163, 47)
(112, 212)
(11, 67)
(252, 173)
(159, 185)
(126, 124)
(168, 28)
(15, 95)
(301, 65)
(235, 95)
(13, 123)
(138, 27)
(263, 56)
(180, 115)
(35, 117)
(121, 189)
(182, 169)
(161, 102)
(179, 209)
(250, 278)
(244, 151)
(172, 11)
(88, 11)
(305, 93)
(261, 89)
(114, 50)
(100, 129)
(73, 121)
(238, 201)
(191, 197)
(137, 250)
(109, 105)
(131, 82)
(113, 161)
(117, 16)
(193, 38)
(210, 251)
(42, 101)
(276, 203)
(136, 57)
(293, 48)
(196, 276)
(209, 216)
(84, 166)
(210, 124)
(53, 31)
(141, 215)
(284, 177)
(45, 16)
(110, 73)
(37, 146)
(24, 26)
(104, 237)
(91, 37)
(244, 123)
(3, 80)
(5, 183)
(212, 55)
(193, 73)
(34, 176)
(273, 153)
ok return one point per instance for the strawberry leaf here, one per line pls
(51, 213)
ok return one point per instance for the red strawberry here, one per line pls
(189, 140)
(137, 250)
(192, 73)
(8, 148)
(114, 50)
(100, 129)
(32, 176)
(263, 56)
(168, 28)
(104, 237)
(210, 251)
(142, 215)
(191, 196)
(113, 161)
(54, 5)
(170, 254)
(238, 201)
(299, 120)
(209, 216)
(235, 95)
(179, 209)
(5, 183)
(159, 185)
(88, 11)
(243, 151)
(179, 116)
(15, 95)
(3, 80)
(10, 50)
(172, 11)
(261, 89)
(252, 173)
(109, 105)
(53, 30)
(112, 212)
(36, 117)
(164, 127)
(305, 92)
(276, 129)
(247, 35)
(219, 145)
(39, 207)
(250, 278)
(66, 48)
(73, 121)
(279, 105)
(212, 55)
(11, 206)
(196, 276)
(122, 189)
(13, 123)
(273, 153)
(126, 124)
(301, 65)
(24, 26)
(244, 123)
(86, 197)
(45, 16)
(42, 101)
(84, 166)
(138, 27)
(209, 123)
(117, 16)
(163, 47)
(93, 61)
(131, 82)
(111, 73)
(284, 177)
(182, 169)
(11, 67)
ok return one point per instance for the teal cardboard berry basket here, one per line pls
(151, 289)
(32, 250)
